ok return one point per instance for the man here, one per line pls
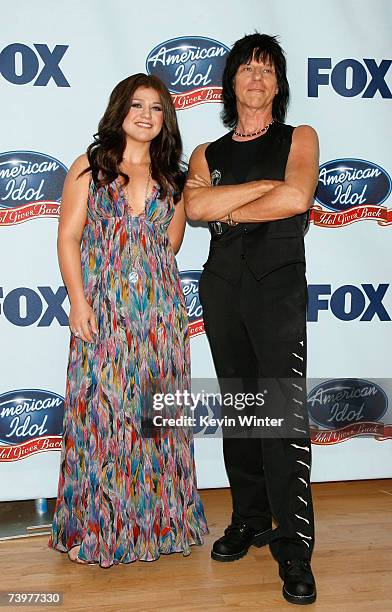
(255, 186)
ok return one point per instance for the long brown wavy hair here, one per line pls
(106, 152)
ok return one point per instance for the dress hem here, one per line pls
(64, 550)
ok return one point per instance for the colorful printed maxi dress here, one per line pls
(123, 494)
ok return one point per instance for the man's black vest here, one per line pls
(264, 246)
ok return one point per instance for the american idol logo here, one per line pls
(345, 408)
(31, 184)
(31, 421)
(354, 190)
(190, 287)
(191, 67)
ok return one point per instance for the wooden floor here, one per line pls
(352, 564)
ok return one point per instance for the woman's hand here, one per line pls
(82, 321)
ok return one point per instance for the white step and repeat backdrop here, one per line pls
(58, 64)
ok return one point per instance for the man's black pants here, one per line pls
(257, 329)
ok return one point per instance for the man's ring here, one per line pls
(76, 334)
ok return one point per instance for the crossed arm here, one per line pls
(256, 201)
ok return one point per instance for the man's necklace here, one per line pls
(264, 129)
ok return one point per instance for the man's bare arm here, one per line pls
(295, 194)
(206, 203)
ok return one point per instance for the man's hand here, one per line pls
(197, 181)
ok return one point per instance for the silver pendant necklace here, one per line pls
(129, 206)
(133, 275)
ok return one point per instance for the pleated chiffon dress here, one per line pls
(126, 493)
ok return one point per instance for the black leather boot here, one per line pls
(299, 585)
(237, 540)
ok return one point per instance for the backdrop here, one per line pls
(58, 64)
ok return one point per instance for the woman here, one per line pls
(127, 490)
